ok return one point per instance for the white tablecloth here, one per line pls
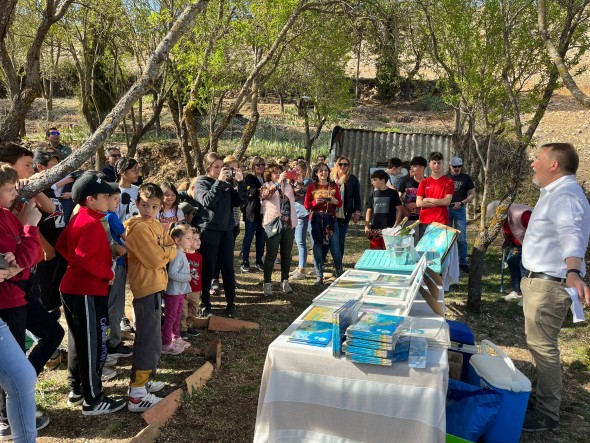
(307, 395)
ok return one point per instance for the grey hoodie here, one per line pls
(179, 275)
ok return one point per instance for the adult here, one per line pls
(127, 172)
(230, 162)
(322, 198)
(464, 193)
(514, 228)
(553, 253)
(278, 200)
(284, 163)
(396, 171)
(408, 190)
(186, 192)
(113, 155)
(53, 138)
(300, 187)
(218, 197)
(320, 159)
(253, 215)
(350, 192)
(434, 194)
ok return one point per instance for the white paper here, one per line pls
(576, 307)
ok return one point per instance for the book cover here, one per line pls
(373, 326)
(354, 274)
(316, 333)
(394, 279)
(386, 292)
(369, 360)
(320, 313)
(341, 320)
(349, 284)
(382, 353)
(337, 297)
(370, 344)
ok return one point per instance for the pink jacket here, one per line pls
(270, 205)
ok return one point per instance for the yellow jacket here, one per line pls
(149, 249)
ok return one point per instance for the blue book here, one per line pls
(341, 320)
(369, 360)
(370, 344)
(377, 327)
(315, 333)
(382, 353)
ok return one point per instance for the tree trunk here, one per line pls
(113, 119)
(251, 126)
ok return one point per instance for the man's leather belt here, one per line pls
(530, 274)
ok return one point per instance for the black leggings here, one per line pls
(218, 248)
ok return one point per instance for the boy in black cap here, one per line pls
(84, 289)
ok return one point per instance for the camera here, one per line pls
(231, 174)
(76, 174)
(3, 262)
(292, 175)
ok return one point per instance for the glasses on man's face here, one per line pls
(457, 167)
(343, 165)
(54, 133)
(115, 155)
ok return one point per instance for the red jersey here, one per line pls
(435, 188)
(195, 262)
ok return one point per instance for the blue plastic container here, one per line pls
(463, 341)
(498, 373)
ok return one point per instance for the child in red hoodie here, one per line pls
(84, 289)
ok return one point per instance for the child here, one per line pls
(127, 170)
(170, 212)
(84, 289)
(384, 209)
(190, 306)
(149, 249)
(179, 276)
(117, 293)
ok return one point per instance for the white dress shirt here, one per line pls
(559, 228)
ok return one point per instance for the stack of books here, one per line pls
(342, 318)
(316, 327)
(373, 338)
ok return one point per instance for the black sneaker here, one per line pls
(260, 267)
(126, 325)
(41, 422)
(536, 421)
(245, 267)
(192, 332)
(75, 399)
(5, 431)
(206, 311)
(184, 335)
(318, 281)
(105, 406)
(230, 311)
(120, 351)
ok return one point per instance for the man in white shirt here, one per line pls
(553, 253)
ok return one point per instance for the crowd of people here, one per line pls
(74, 247)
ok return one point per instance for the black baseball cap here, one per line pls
(89, 184)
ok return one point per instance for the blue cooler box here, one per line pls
(499, 374)
(462, 341)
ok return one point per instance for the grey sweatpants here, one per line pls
(147, 346)
(117, 305)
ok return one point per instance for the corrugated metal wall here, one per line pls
(367, 148)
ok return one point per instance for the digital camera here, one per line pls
(292, 175)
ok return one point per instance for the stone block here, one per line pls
(160, 413)
(147, 434)
(230, 324)
(198, 378)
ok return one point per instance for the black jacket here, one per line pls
(218, 199)
(352, 197)
(252, 210)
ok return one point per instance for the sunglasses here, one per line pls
(343, 165)
(457, 167)
(115, 155)
(54, 133)
(260, 165)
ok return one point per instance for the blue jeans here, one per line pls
(320, 251)
(301, 239)
(514, 261)
(17, 378)
(458, 220)
(253, 228)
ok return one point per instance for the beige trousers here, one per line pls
(546, 304)
(190, 310)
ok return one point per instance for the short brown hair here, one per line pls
(270, 170)
(435, 156)
(10, 152)
(566, 155)
(7, 174)
(180, 230)
(150, 190)
(211, 158)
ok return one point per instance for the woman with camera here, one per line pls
(322, 199)
(279, 221)
(300, 188)
(253, 215)
(215, 192)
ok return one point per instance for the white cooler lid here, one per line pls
(497, 373)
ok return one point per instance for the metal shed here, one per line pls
(366, 148)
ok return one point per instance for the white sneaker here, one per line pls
(267, 289)
(521, 301)
(286, 287)
(182, 342)
(512, 296)
(154, 386)
(142, 404)
(298, 275)
(110, 361)
(108, 374)
(172, 349)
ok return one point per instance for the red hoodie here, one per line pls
(85, 246)
(23, 242)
